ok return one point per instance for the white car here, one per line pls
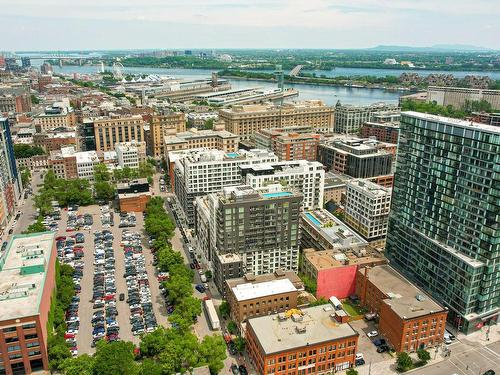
(372, 334)
(74, 353)
(359, 356)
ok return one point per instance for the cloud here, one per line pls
(334, 23)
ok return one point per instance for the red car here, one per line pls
(197, 265)
(69, 335)
(109, 297)
(61, 238)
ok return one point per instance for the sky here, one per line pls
(169, 24)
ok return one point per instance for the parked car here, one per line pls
(372, 334)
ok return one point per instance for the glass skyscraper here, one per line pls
(444, 226)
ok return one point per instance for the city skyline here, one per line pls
(233, 23)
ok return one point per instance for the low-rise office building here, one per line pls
(130, 154)
(133, 196)
(323, 231)
(306, 176)
(458, 96)
(335, 272)
(27, 285)
(59, 115)
(253, 296)
(116, 129)
(199, 119)
(384, 132)
(357, 157)
(194, 138)
(350, 118)
(409, 319)
(335, 187)
(307, 341)
(367, 208)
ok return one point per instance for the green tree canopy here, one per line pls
(423, 355)
(403, 362)
(81, 365)
(22, 151)
(115, 358)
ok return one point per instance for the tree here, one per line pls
(186, 311)
(104, 191)
(25, 176)
(209, 124)
(224, 309)
(36, 227)
(232, 327)
(309, 284)
(178, 287)
(403, 362)
(208, 274)
(145, 170)
(213, 353)
(115, 358)
(150, 367)
(423, 355)
(168, 257)
(81, 365)
(58, 352)
(22, 151)
(101, 173)
(318, 302)
(154, 343)
(352, 371)
(240, 344)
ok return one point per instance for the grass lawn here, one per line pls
(352, 310)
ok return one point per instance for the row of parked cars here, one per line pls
(77, 222)
(127, 220)
(104, 318)
(142, 317)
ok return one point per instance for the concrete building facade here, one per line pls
(111, 130)
(458, 96)
(245, 120)
(306, 176)
(350, 118)
(215, 139)
(367, 208)
(162, 126)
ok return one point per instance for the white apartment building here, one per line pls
(127, 155)
(85, 164)
(306, 176)
(201, 171)
(367, 208)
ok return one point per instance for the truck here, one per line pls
(203, 278)
(212, 314)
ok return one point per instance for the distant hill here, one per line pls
(434, 48)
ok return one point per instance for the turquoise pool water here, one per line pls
(313, 219)
(232, 155)
(277, 195)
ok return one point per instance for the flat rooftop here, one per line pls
(23, 269)
(276, 275)
(316, 326)
(328, 259)
(453, 121)
(405, 299)
(370, 188)
(338, 234)
(247, 291)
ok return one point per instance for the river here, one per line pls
(328, 94)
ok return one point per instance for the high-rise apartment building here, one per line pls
(350, 118)
(308, 177)
(444, 229)
(27, 284)
(10, 183)
(111, 130)
(357, 157)
(162, 126)
(367, 208)
(245, 120)
(261, 226)
(202, 171)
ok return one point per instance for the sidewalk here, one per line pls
(486, 335)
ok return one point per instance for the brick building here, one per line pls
(288, 145)
(27, 282)
(383, 132)
(252, 296)
(335, 272)
(408, 318)
(310, 341)
(162, 126)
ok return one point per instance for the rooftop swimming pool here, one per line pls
(277, 195)
(313, 219)
(232, 155)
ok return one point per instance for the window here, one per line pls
(29, 326)
(10, 329)
(30, 336)
(13, 348)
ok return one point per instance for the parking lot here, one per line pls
(365, 343)
(106, 281)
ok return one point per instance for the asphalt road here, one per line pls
(467, 358)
